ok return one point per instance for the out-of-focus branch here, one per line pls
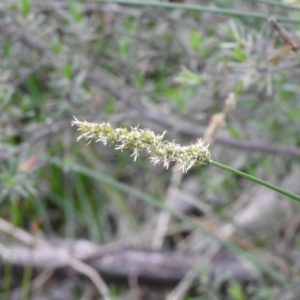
(165, 216)
(61, 258)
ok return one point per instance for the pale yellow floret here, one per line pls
(138, 139)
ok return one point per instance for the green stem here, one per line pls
(204, 8)
(279, 4)
(257, 180)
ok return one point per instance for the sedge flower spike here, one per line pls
(161, 151)
(138, 139)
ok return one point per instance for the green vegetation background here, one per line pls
(163, 68)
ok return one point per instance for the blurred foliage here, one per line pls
(160, 68)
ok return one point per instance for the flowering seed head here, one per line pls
(138, 139)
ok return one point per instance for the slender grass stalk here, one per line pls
(6, 281)
(8, 275)
(280, 4)
(27, 274)
(25, 286)
(204, 8)
(257, 180)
